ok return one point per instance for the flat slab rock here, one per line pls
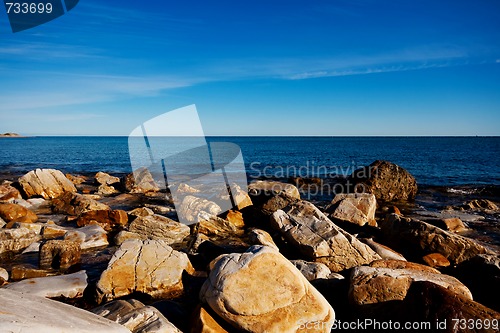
(149, 266)
(136, 316)
(70, 285)
(319, 239)
(27, 313)
(239, 289)
(371, 285)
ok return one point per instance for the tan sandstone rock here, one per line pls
(239, 289)
(357, 208)
(151, 267)
(370, 285)
(107, 219)
(16, 213)
(159, 227)
(48, 183)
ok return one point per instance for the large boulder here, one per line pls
(69, 286)
(240, 291)
(159, 227)
(371, 285)
(76, 204)
(16, 213)
(386, 180)
(357, 208)
(305, 227)
(26, 313)
(107, 219)
(151, 267)
(419, 238)
(48, 183)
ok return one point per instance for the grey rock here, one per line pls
(319, 239)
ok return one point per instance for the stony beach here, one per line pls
(106, 253)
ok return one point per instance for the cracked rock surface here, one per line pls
(150, 266)
(239, 289)
(319, 239)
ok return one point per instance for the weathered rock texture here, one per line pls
(16, 213)
(319, 239)
(159, 227)
(151, 267)
(76, 204)
(59, 254)
(386, 180)
(48, 183)
(239, 289)
(357, 208)
(413, 236)
(107, 219)
(371, 285)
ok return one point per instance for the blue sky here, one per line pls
(257, 67)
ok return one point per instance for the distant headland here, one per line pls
(10, 135)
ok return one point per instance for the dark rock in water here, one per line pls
(386, 180)
(482, 275)
(479, 204)
(16, 213)
(59, 254)
(47, 183)
(107, 219)
(415, 239)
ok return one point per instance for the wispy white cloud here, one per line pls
(47, 89)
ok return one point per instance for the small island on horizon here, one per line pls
(10, 135)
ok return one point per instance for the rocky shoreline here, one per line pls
(106, 253)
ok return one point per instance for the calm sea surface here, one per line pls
(443, 161)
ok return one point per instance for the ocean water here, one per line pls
(436, 161)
